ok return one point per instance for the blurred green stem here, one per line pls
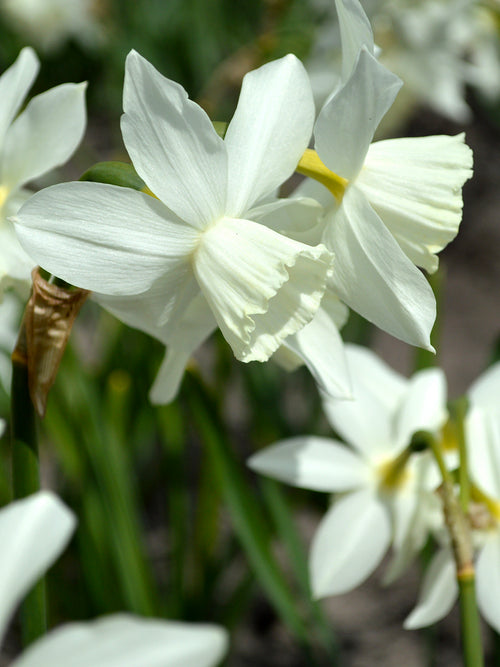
(26, 477)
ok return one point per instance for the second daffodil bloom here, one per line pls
(390, 205)
(200, 231)
(43, 136)
(384, 489)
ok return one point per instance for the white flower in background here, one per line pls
(439, 587)
(33, 532)
(385, 490)
(10, 319)
(199, 233)
(436, 46)
(48, 24)
(39, 139)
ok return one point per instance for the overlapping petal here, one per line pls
(33, 532)
(482, 428)
(127, 641)
(311, 462)
(373, 275)
(105, 238)
(355, 32)
(439, 592)
(268, 133)
(415, 186)
(14, 86)
(350, 542)
(44, 135)
(347, 122)
(173, 144)
(261, 286)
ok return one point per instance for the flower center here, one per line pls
(393, 473)
(311, 165)
(4, 193)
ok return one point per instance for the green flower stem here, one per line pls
(459, 411)
(458, 529)
(26, 477)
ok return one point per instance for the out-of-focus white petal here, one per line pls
(127, 641)
(269, 132)
(173, 144)
(320, 346)
(45, 134)
(367, 421)
(14, 86)
(350, 542)
(415, 186)
(347, 122)
(15, 264)
(439, 592)
(311, 462)
(423, 406)
(374, 277)
(484, 392)
(261, 286)
(488, 581)
(482, 429)
(196, 324)
(11, 312)
(33, 532)
(102, 237)
(355, 32)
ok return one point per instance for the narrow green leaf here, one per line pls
(114, 173)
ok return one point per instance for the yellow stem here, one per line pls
(311, 165)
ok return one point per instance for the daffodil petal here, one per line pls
(488, 581)
(347, 122)
(415, 186)
(195, 326)
(298, 218)
(439, 592)
(14, 86)
(311, 462)
(102, 237)
(374, 277)
(366, 422)
(15, 264)
(123, 640)
(484, 392)
(423, 406)
(33, 532)
(269, 132)
(261, 286)
(355, 32)
(173, 144)
(482, 428)
(350, 542)
(44, 135)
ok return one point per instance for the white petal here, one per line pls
(261, 286)
(374, 277)
(128, 641)
(15, 264)
(14, 86)
(173, 144)
(196, 324)
(355, 32)
(424, 405)
(439, 592)
(347, 122)
(484, 391)
(311, 462)
(319, 346)
(45, 135)
(102, 237)
(299, 218)
(367, 421)
(483, 440)
(269, 132)
(33, 532)
(349, 544)
(415, 186)
(488, 581)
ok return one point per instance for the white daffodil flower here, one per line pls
(41, 138)
(386, 489)
(439, 587)
(33, 532)
(198, 233)
(390, 206)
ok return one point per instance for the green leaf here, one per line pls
(114, 173)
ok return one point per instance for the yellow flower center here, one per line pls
(311, 165)
(492, 505)
(393, 473)
(4, 193)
